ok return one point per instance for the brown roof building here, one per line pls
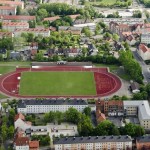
(6, 34)
(9, 18)
(7, 10)
(19, 115)
(33, 145)
(110, 108)
(13, 4)
(143, 143)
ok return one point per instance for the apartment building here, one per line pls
(140, 109)
(69, 2)
(68, 29)
(6, 34)
(110, 108)
(143, 142)
(144, 52)
(129, 21)
(44, 106)
(7, 10)
(13, 4)
(94, 143)
(145, 38)
(12, 26)
(19, 18)
(36, 31)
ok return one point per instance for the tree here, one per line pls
(72, 115)
(87, 111)
(4, 132)
(134, 130)
(87, 31)
(18, 11)
(58, 117)
(106, 128)
(11, 132)
(85, 126)
(32, 24)
(11, 116)
(42, 13)
(137, 14)
(115, 37)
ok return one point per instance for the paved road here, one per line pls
(145, 68)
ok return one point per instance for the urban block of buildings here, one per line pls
(44, 106)
(94, 143)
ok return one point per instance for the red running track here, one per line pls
(106, 83)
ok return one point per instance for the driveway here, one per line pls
(145, 68)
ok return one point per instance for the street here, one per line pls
(145, 68)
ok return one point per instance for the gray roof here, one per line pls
(93, 139)
(143, 107)
(23, 103)
(142, 139)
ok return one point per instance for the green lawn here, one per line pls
(57, 83)
(106, 2)
(6, 67)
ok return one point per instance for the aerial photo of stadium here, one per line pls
(59, 81)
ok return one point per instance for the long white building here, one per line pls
(139, 108)
(43, 106)
(94, 143)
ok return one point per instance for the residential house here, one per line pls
(143, 142)
(119, 28)
(7, 10)
(135, 88)
(19, 18)
(36, 31)
(51, 19)
(69, 2)
(110, 108)
(131, 40)
(138, 108)
(43, 106)
(144, 52)
(92, 50)
(99, 116)
(81, 23)
(6, 34)
(129, 21)
(94, 142)
(145, 38)
(13, 4)
(21, 123)
(3, 52)
(22, 142)
(74, 17)
(71, 52)
(70, 29)
(12, 26)
(15, 55)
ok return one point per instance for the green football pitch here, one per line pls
(57, 84)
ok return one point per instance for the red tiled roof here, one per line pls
(147, 25)
(7, 8)
(15, 24)
(32, 30)
(19, 115)
(11, 2)
(21, 141)
(52, 18)
(33, 52)
(74, 16)
(15, 17)
(3, 34)
(144, 48)
(33, 144)
(130, 38)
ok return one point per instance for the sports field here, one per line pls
(57, 83)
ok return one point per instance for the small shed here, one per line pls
(135, 88)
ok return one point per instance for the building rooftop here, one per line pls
(33, 144)
(23, 103)
(32, 30)
(11, 2)
(144, 48)
(7, 8)
(93, 139)
(19, 115)
(22, 141)
(17, 17)
(143, 108)
(15, 24)
(143, 139)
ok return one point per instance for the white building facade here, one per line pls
(45, 106)
(94, 143)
